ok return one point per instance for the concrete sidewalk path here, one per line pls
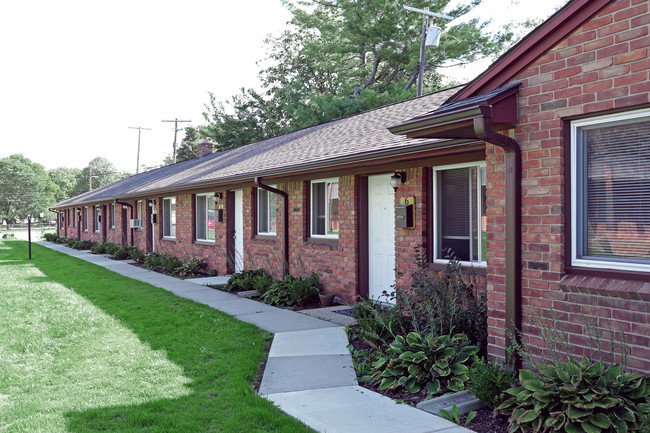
(309, 372)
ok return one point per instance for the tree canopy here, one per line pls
(66, 180)
(341, 57)
(103, 172)
(24, 187)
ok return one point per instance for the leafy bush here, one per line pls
(69, 242)
(292, 291)
(50, 237)
(436, 363)
(8, 236)
(245, 280)
(80, 245)
(576, 397)
(170, 263)
(488, 380)
(152, 261)
(378, 324)
(442, 304)
(121, 253)
(98, 248)
(262, 283)
(135, 254)
(193, 267)
(61, 240)
(110, 248)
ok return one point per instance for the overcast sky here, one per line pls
(77, 74)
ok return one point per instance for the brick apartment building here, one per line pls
(535, 174)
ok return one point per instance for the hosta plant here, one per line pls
(435, 363)
(577, 397)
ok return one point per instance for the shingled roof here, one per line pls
(354, 138)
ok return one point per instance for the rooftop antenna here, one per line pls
(423, 43)
(176, 122)
(139, 128)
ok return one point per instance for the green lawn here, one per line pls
(83, 349)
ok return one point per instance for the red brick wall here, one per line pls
(185, 246)
(602, 66)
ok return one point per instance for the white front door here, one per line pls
(239, 230)
(381, 236)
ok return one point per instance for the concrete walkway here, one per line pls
(309, 372)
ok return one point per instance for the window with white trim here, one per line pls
(205, 223)
(112, 215)
(325, 208)
(610, 191)
(169, 217)
(266, 212)
(98, 219)
(85, 218)
(459, 213)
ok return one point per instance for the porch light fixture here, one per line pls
(398, 179)
(218, 197)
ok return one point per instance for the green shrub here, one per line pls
(135, 254)
(245, 280)
(193, 267)
(488, 380)
(170, 263)
(435, 363)
(98, 248)
(8, 236)
(110, 248)
(445, 303)
(262, 283)
(577, 397)
(292, 291)
(69, 242)
(153, 261)
(61, 240)
(50, 237)
(378, 324)
(121, 253)
(81, 245)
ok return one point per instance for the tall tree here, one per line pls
(101, 173)
(340, 57)
(24, 187)
(66, 180)
(189, 147)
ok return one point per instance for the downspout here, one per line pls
(285, 222)
(123, 203)
(483, 130)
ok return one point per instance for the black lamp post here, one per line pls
(29, 233)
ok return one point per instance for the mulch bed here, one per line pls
(484, 422)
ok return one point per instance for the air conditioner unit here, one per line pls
(136, 223)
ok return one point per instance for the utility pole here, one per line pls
(176, 122)
(425, 22)
(139, 128)
(90, 178)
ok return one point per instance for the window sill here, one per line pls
(331, 243)
(204, 242)
(627, 285)
(265, 238)
(466, 268)
(168, 239)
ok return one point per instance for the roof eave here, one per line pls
(457, 124)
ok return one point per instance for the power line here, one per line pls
(176, 122)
